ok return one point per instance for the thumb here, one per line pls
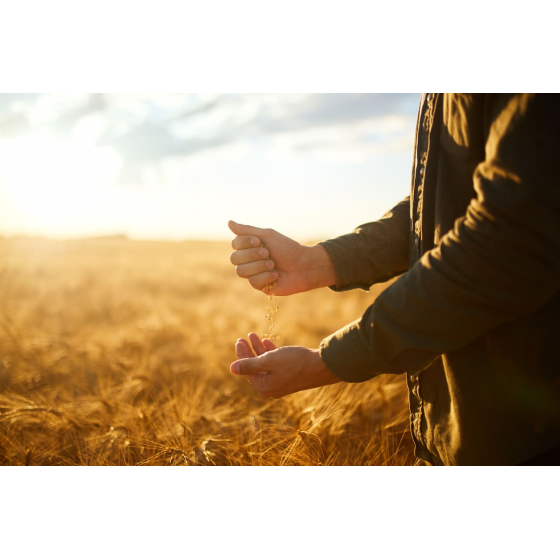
(250, 366)
(240, 229)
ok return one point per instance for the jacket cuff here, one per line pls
(346, 355)
(345, 252)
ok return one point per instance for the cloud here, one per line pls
(146, 129)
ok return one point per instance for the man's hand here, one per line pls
(264, 256)
(277, 372)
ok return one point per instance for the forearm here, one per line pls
(501, 262)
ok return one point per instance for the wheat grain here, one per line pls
(272, 310)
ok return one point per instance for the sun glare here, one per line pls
(54, 184)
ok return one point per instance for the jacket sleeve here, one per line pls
(500, 262)
(374, 252)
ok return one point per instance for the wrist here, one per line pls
(322, 273)
(321, 373)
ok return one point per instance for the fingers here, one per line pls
(254, 268)
(251, 366)
(248, 256)
(246, 242)
(261, 280)
(240, 229)
(261, 346)
(249, 237)
(269, 345)
(257, 344)
(243, 349)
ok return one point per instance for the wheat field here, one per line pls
(117, 352)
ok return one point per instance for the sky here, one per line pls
(178, 166)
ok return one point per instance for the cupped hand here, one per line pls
(265, 257)
(277, 372)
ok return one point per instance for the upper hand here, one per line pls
(264, 257)
(277, 372)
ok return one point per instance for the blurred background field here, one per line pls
(117, 352)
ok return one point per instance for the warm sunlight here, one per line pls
(165, 262)
(53, 184)
(179, 166)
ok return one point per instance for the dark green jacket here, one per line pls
(474, 320)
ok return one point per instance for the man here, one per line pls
(474, 320)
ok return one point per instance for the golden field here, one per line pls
(116, 352)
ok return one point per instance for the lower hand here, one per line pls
(277, 372)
